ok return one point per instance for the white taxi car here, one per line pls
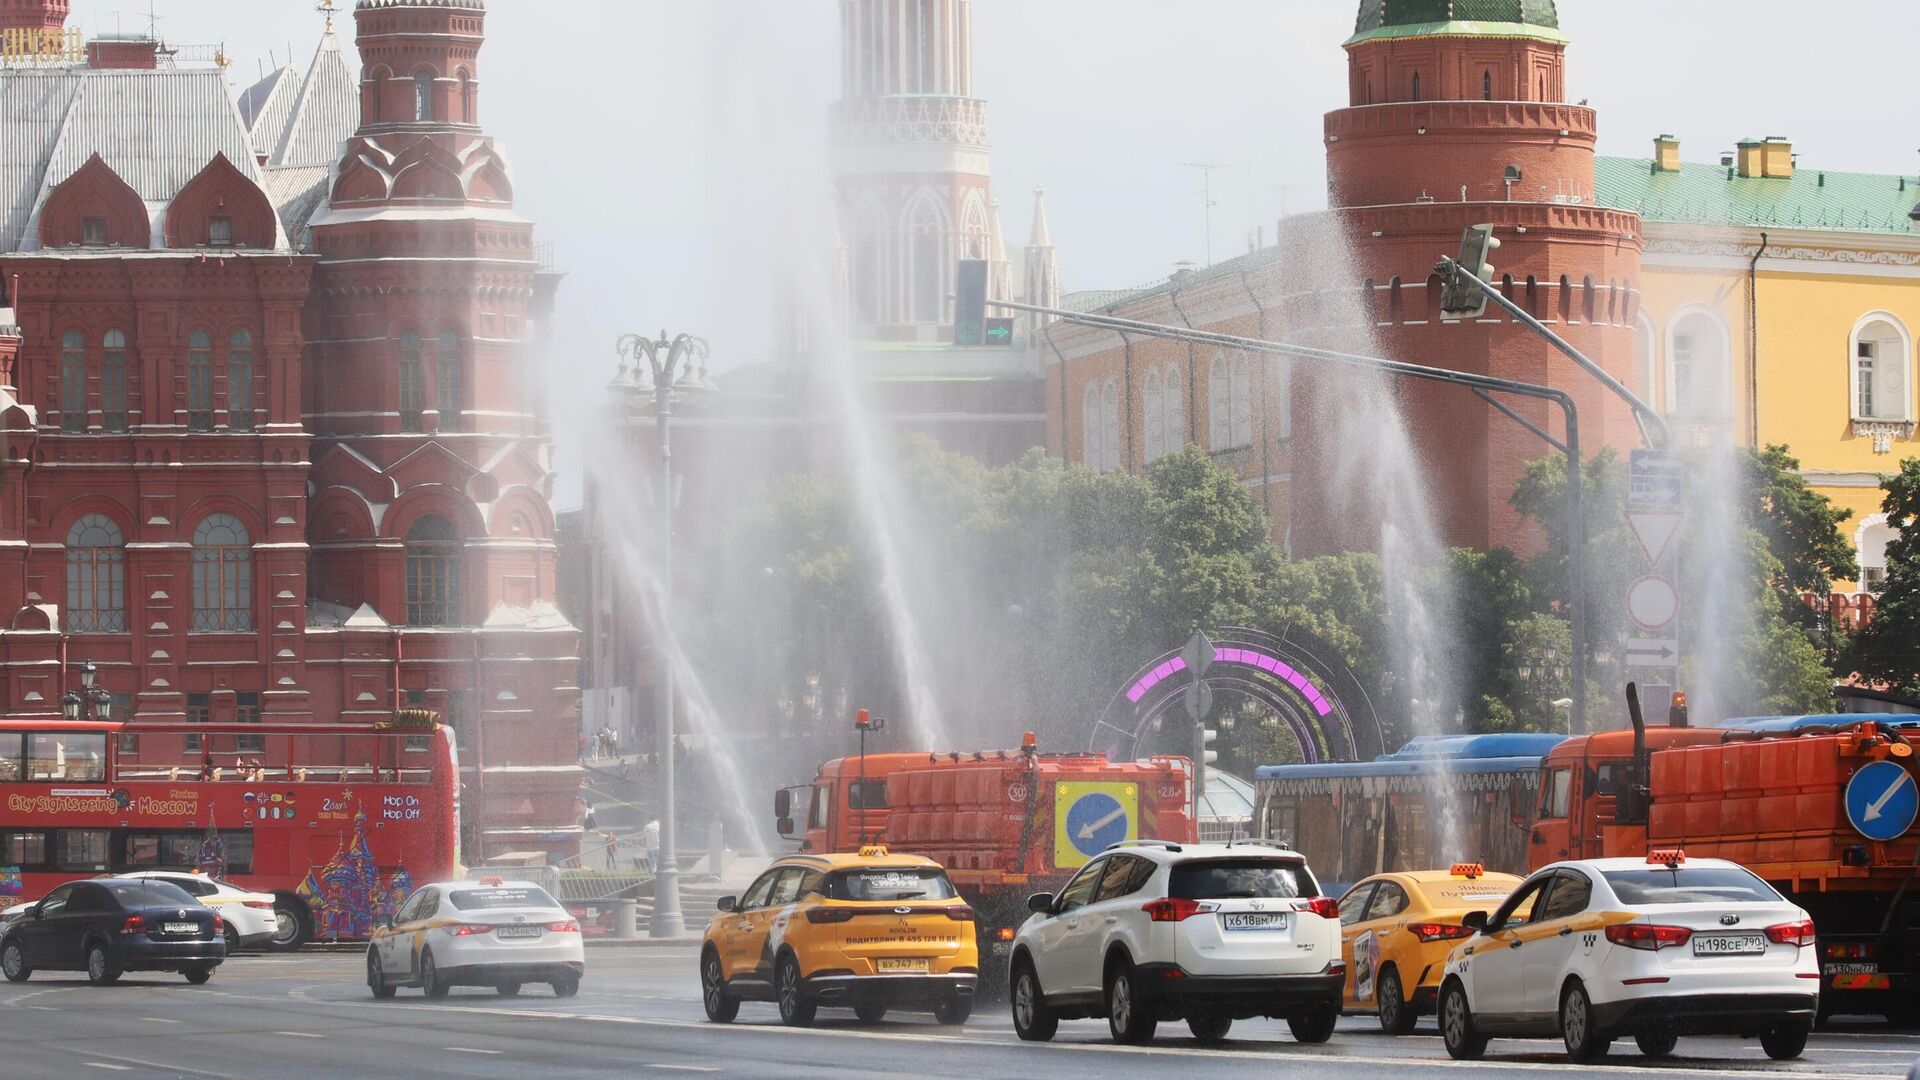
(489, 932)
(1656, 948)
(249, 916)
(1206, 933)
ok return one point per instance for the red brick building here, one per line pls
(1456, 116)
(264, 392)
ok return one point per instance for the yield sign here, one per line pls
(1655, 530)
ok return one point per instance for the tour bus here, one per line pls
(337, 822)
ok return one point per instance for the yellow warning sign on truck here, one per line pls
(1091, 816)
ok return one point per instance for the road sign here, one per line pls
(1653, 602)
(1198, 699)
(1198, 654)
(1882, 800)
(1653, 652)
(1089, 817)
(1655, 530)
(1656, 480)
(970, 304)
(999, 332)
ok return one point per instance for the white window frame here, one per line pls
(1903, 393)
(1670, 375)
(1860, 549)
(1646, 359)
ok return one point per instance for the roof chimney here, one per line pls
(129, 53)
(1749, 154)
(1776, 157)
(1666, 154)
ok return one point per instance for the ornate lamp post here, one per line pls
(669, 369)
(94, 701)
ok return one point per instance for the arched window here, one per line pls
(423, 95)
(1092, 453)
(468, 114)
(433, 573)
(1110, 425)
(1416, 86)
(447, 371)
(1153, 424)
(1875, 534)
(1282, 369)
(1697, 369)
(1486, 86)
(1643, 350)
(1882, 362)
(222, 576)
(96, 577)
(1242, 418)
(240, 381)
(200, 381)
(926, 259)
(1219, 402)
(73, 381)
(113, 381)
(412, 391)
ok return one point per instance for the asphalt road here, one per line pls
(638, 1014)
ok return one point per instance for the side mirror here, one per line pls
(783, 804)
(784, 826)
(1040, 902)
(727, 903)
(34, 912)
(384, 922)
(1475, 920)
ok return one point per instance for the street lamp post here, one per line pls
(670, 368)
(94, 701)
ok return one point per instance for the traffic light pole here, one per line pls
(1483, 384)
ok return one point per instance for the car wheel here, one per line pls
(1657, 1044)
(1457, 1029)
(290, 927)
(230, 939)
(198, 976)
(13, 962)
(1783, 1043)
(100, 969)
(1127, 1015)
(1210, 1027)
(721, 1008)
(1032, 1020)
(1578, 1027)
(508, 989)
(871, 1012)
(377, 976)
(567, 986)
(1396, 1015)
(796, 1008)
(953, 1011)
(430, 981)
(1316, 1026)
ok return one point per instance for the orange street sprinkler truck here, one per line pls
(1820, 806)
(1005, 823)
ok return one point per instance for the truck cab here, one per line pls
(1581, 784)
(846, 806)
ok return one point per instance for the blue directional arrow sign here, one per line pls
(1882, 801)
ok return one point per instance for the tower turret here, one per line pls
(32, 15)
(419, 62)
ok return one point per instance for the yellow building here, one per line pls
(1781, 302)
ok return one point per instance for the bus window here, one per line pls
(23, 849)
(10, 758)
(1556, 797)
(66, 755)
(81, 849)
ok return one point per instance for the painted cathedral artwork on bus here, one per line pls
(350, 894)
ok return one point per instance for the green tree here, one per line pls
(1887, 651)
(1801, 528)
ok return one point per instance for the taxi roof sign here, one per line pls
(1468, 870)
(1667, 857)
(873, 851)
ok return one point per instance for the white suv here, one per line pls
(1208, 933)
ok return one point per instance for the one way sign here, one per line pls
(1653, 652)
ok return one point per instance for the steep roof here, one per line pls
(1810, 199)
(1468, 18)
(266, 105)
(156, 129)
(321, 114)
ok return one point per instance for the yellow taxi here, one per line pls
(868, 930)
(1396, 931)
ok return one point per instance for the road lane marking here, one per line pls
(300, 1034)
(684, 1068)
(156, 1020)
(470, 1050)
(104, 1065)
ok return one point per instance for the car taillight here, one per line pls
(1647, 936)
(564, 926)
(1322, 906)
(1176, 909)
(830, 914)
(1851, 952)
(135, 924)
(1794, 933)
(1433, 931)
(219, 924)
(471, 929)
(961, 913)
(258, 905)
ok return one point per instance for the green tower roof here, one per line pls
(1473, 18)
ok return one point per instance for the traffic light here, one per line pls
(1208, 755)
(970, 304)
(1461, 297)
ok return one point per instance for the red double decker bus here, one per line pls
(338, 823)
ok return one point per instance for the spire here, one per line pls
(997, 232)
(1042, 236)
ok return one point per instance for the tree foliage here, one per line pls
(1887, 651)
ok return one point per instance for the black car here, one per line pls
(106, 927)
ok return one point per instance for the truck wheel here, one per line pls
(1578, 1027)
(1396, 1014)
(1783, 1043)
(1127, 1016)
(1457, 1029)
(1032, 1020)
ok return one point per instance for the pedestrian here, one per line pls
(613, 742)
(650, 839)
(613, 850)
(583, 746)
(589, 818)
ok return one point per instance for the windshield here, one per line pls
(502, 897)
(1229, 879)
(1701, 885)
(911, 883)
(136, 893)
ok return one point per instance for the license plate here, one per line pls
(1254, 920)
(180, 928)
(1728, 944)
(897, 966)
(1853, 969)
(518, 931)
